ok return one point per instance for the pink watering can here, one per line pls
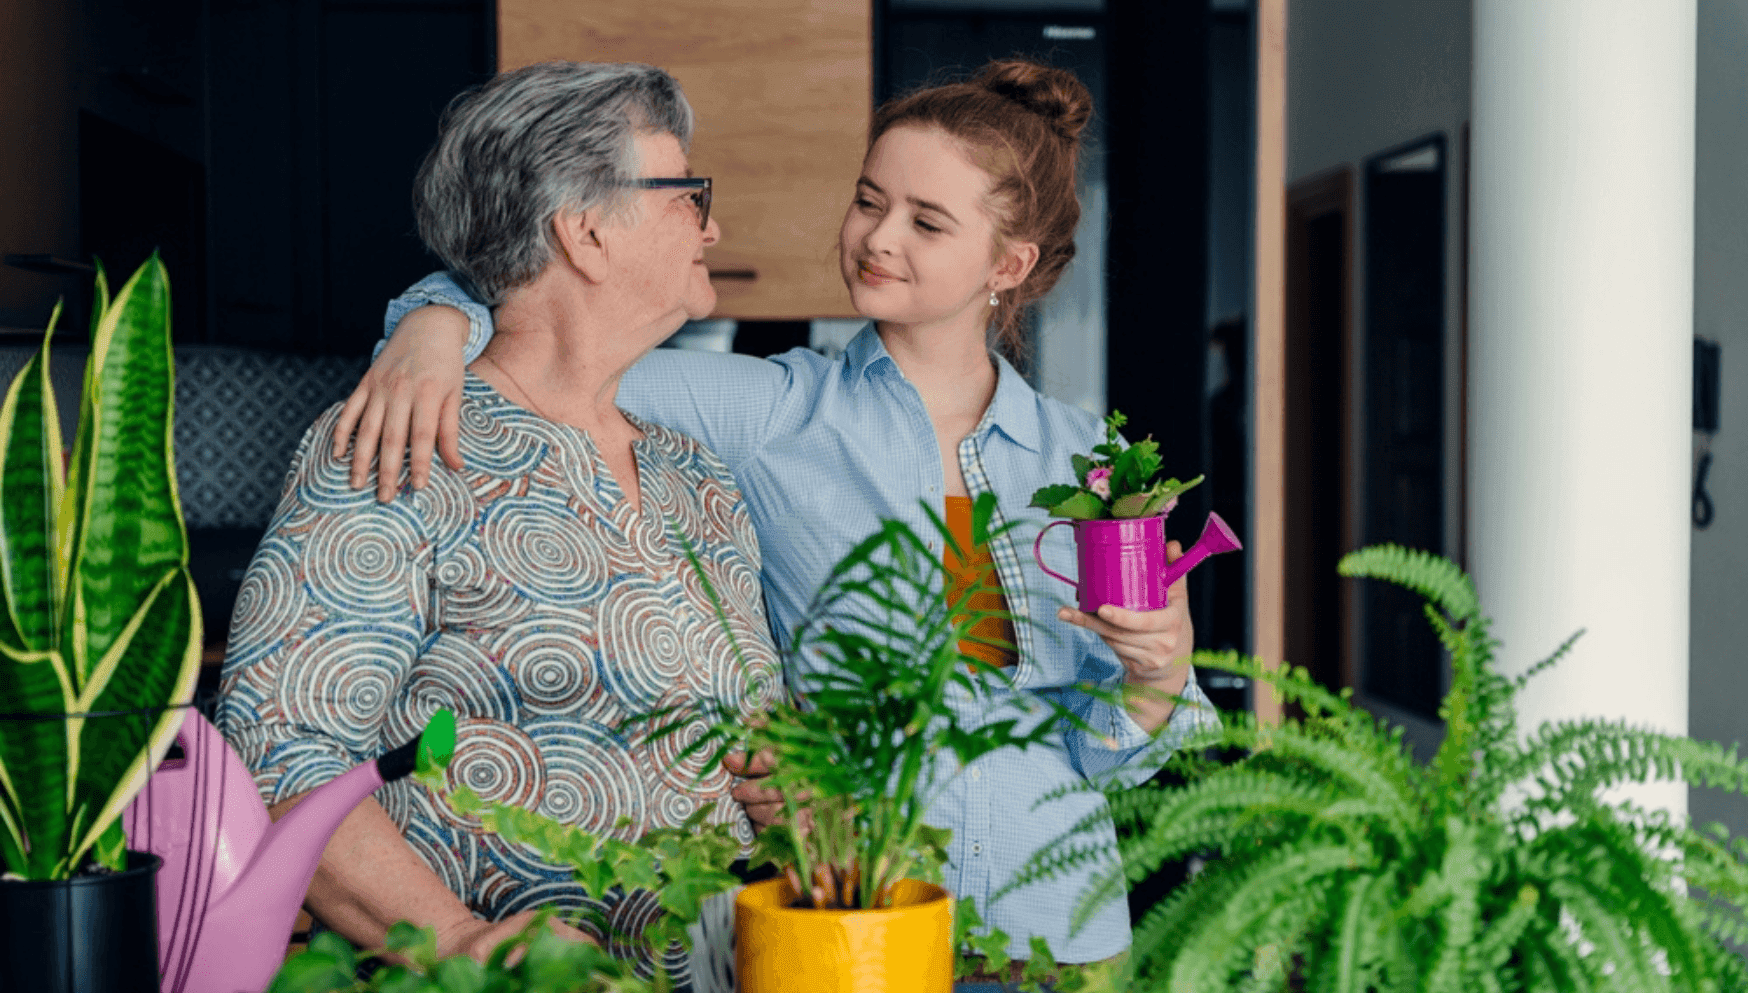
(233, 880)
(1122, 560)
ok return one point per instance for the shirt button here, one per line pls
(977, 848)
(976, 773)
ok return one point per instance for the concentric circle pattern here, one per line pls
(270, 603)
(525, 594)
(551, 661)
(537, 547)
(361, 562)
(642, 650)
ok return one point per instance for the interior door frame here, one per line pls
(1311, 484)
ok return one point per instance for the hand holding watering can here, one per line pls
(1118, 514)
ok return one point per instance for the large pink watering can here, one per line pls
(1122, 560)
(233, 880)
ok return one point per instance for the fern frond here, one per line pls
(1205, 922)
(1619, 947)
(1435, 578)
(1522, 679)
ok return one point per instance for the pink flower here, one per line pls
(1099, 481)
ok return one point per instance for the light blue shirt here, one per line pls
(823, 449)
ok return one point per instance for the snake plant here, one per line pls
(100, 631)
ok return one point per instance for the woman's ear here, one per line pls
(582, 240)
(1014, 265)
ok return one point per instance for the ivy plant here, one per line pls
(682, 866)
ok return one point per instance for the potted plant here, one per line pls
(858, 903)
(868, 741)
(1336, 862)
(99, 648)
(682, 866)
(1117, 507)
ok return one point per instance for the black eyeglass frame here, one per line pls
(701, 199)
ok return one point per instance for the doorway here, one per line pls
(1319, 411)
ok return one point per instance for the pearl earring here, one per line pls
(993, 302)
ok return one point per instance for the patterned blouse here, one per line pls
(525, 594)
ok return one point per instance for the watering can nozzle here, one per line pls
(432, 748)
(1217, 536)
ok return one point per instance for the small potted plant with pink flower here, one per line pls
(1118, 508)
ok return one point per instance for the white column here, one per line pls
(1581, 303)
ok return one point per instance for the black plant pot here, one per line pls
(91, 934)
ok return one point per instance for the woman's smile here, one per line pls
(873, 275)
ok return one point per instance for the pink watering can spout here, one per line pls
(1122, 560)
(1216, 537)
(233, 880)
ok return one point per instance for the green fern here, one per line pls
(1337, 864)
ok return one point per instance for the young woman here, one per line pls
(963, 214)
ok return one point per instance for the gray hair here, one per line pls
(513, 152)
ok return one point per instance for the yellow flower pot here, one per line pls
(782, 949)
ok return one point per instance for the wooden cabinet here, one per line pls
(783, 93)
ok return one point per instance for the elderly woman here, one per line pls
(541, 592)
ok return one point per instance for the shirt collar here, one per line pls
(1013, 410)
(863, 351)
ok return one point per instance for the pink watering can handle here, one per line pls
(1216, 537)
(1038, 552)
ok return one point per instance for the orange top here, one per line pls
(961, 576)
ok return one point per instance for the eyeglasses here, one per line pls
(700, 197)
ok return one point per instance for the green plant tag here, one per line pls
(436, 748)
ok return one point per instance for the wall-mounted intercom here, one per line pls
(1706, 360)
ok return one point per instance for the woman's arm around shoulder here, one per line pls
(409, 402)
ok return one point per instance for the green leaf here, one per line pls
(111, 847)
(1134, 467)
(966, 920)
(1041, 966)
(30, 492)
(1082, 506)
(34, 759)
(1082, 466)
(128, 521)
(992, 947)
(983, 515)
(1133, 505)
(327, 965)
(34, 754)
(460, 974)
(417, 945)
(155, 661)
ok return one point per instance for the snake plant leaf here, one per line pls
(129, 522)
(30, 492)
(33, 680)
(33, 761)
(67, 519)
(155, 661)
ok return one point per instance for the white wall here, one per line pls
(1718, 705)
(1364, 77)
